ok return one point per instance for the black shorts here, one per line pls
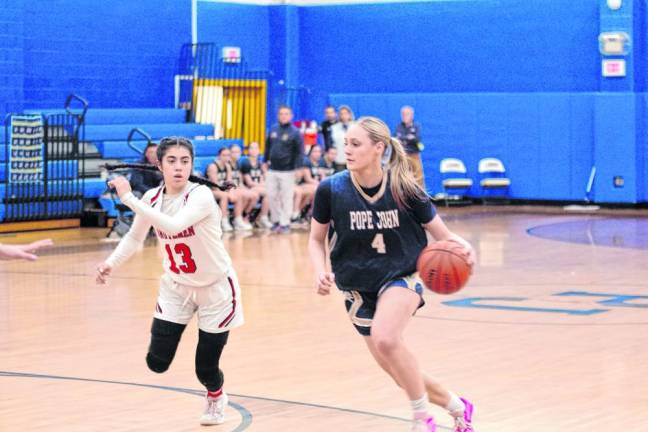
(361, 306)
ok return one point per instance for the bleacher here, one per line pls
(105, 139)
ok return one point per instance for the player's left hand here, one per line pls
(121, 186)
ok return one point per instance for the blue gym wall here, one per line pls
(515, 79)
(466, 46)
(244, 26)
(518, 79)
(117, 53)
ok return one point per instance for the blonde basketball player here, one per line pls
(376, 217)
(198, 276)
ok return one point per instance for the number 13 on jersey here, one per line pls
(181, 250)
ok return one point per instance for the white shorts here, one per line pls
(219, 306)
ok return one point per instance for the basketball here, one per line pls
(443, 267)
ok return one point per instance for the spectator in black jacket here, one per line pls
(142, 180)
(325, 128)
(284, 153)
(409, 134)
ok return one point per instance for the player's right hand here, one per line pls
(325, 282)
(103, 271)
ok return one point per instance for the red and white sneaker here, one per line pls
(214, 410)
(463, 420)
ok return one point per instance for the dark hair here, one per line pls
(312, 148)
(148, 146)
(222, 149)
(168, 142)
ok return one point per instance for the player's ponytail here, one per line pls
(403, 184)
(146, 167)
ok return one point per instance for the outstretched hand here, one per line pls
(26, 251)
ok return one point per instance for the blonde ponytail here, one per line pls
(403, 185)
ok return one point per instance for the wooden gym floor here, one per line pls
(550, 335)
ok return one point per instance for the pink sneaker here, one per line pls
(424, 425)
(463, 421)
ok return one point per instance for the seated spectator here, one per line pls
(219, 172)
(312, 173)
(253, 173)
(248, 197)
(328, 161)
(143, 180)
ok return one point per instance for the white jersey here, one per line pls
(188, 226)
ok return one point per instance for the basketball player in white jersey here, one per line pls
(198, 276)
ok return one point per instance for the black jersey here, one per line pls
(237, 177)
(372, 240)
(255, 171)
(316, 169)
(327, 168)
(221, 173)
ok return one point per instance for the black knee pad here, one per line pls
(165, 336)
(208, 353)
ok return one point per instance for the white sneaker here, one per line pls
(214, 410)
(264, 222)
(424, 425)
(226, 226)
(241, 225)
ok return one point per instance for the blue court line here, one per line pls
(518, 324)
(246, 416)
(476, 302)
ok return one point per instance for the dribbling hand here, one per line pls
(470, 255)
(103, 271)
(121, 186)
(325, 282)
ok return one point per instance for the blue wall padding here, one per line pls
(103, 116)
(156, 131)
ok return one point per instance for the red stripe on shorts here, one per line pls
(229, 317)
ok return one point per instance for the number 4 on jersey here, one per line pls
(188, 264)
(378, 243)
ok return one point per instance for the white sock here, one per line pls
(420, 407)
(455, 405)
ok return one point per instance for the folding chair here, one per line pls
(494, 182)
(454, 179)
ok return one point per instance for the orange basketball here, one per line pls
(443, 267)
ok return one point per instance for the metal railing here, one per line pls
(43, 166)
